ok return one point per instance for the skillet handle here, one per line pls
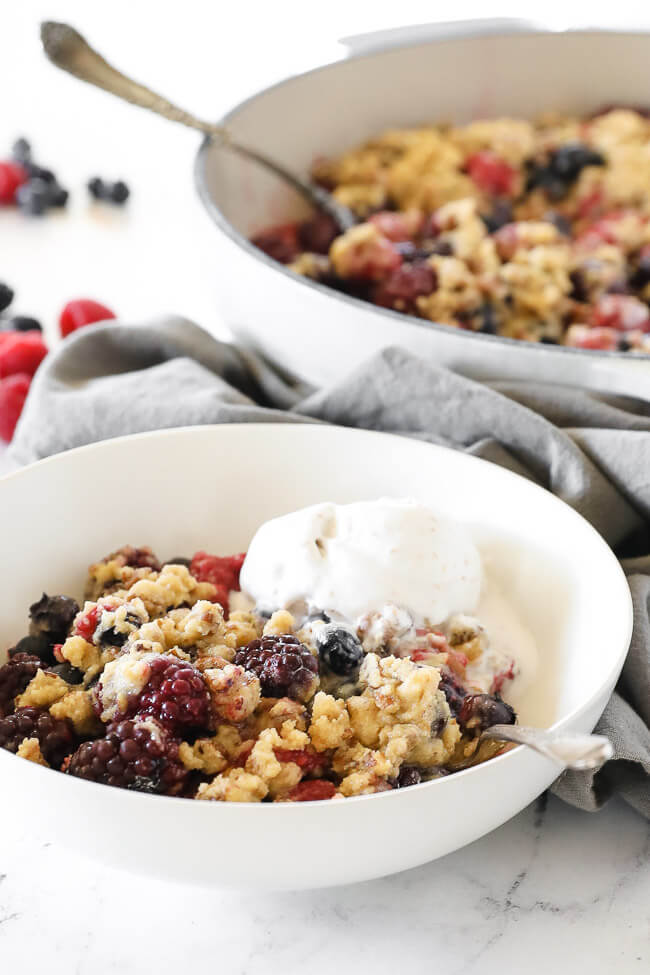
(382, 40)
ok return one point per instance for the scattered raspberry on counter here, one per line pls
(81, 312)
(13, 393)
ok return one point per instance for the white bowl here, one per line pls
(210, 487)
(479, 70)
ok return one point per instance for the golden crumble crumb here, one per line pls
(235, 693)
(77, 706)
(43, 690)
(279, 623)
(330, 723)
(236, 785)
(241, 628)
(30, 749)
(203, 756)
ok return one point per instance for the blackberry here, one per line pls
(100, 189)
(6, 296)
(56, 737)
(284, 666)
(118, 192)
(408, 775)
(175, 694)
(453, 690)
(36, 646)
(135, 754)
(340, 650)
(40, 172)
(96, 187)
(52, 616)
(481, 711)
(14, 678)
(58, 196)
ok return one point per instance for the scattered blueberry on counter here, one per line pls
(35, 189)
(100, 189)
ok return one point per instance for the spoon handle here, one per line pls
(68, 50)
(574, 751)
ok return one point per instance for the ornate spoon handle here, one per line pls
(68, 50)
(574, 751)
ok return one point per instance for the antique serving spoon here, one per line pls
(573, 751)
(68, 50)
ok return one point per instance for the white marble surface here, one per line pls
(553, 891)
(558, 891)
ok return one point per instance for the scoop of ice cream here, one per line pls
(351, 559)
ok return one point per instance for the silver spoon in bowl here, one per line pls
(572, 750)
(68, 50)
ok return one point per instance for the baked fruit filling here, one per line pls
(530, 230)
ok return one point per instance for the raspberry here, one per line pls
(175, 694)
(453, 691)
(221, 571)
(401, 288)
(14, 678)
(13, 393)
(86, 625)
(588, 337)
(280, 243)
(312, 791)
(56, 737)
(306, 759)
(80, 312)
(340, 650)
(138, 754)
(21, 352)
(52, 616)
(491, 173)
(481, 711)
(284, 666)
(11, 177)
(623, 312)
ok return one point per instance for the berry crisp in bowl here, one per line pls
(332, 683)
(160, 685)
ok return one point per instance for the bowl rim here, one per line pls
(335, 430)
(245, 245)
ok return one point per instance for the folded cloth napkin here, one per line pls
(592, 451)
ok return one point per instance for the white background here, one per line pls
(561, 892)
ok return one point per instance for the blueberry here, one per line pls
(58, 196)
(21, 151)
(561, 169)
(118, 192)
(6, 296)
(488, 320)
(500, 216)
(339, 650)
(68, 673)
(548, 340)
(481, 711)
(641, 276)
(33, 197)
(623, 345)
(37, 646)
(408, 775)
(96, 188)
(21, 323)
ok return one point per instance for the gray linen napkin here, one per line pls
(592, 451)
